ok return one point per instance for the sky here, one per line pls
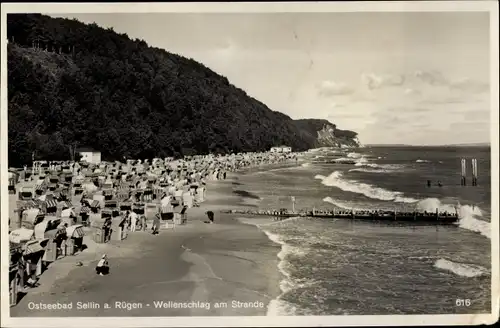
(418, 78)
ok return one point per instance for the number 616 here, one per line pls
(462, 302)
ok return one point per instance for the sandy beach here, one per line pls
(226, 268)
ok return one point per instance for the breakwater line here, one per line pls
(374, 215)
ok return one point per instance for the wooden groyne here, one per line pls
(375, 215)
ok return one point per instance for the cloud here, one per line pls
(404, 110)
(336, 105)
(430, 77)
(374, 81)
(470, 126)
(477, 115)
(410, 91)
(442, 101)
(332, 88)
(466, 84)
(422, 82)
(435, 78)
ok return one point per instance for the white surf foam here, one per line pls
(468, 215)
(286, 284)
(422, 161)
(367, 170)
(336, 180)
(422, 257)
(343, 205)
(278, 307)
(461, 269)
(343, 160)
(354, 155)
(306, 164)
(361, 161)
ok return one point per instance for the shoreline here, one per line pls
(224, 262)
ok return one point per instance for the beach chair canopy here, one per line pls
(75, 231)
(95, 203)
(151, 206)
(41, 228)
(21, 235)
(51, 203)
(108, 190)
(30, 215)
(35, 246)
(27, 189)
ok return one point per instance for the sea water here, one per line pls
(342, 267)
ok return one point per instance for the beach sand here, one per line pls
(220, 264)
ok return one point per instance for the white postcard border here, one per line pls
(369, 320)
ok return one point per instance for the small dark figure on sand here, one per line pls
(107, 229)
(156, 224)
(428, 183)
(439, 184)
(210, 215)
(102, 267)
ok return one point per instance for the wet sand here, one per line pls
(211, 265)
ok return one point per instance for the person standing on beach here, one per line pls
(107, 229)
(133, 220)
(156, 224)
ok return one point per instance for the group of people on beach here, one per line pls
(175, 177)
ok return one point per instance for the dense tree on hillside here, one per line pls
(75, 84)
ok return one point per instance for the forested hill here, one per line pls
(72, 84)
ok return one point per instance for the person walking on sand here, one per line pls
(102, 267)
(156, 224)
(133, 220)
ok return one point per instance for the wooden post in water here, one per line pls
(474, 172)
(293, 204)
(464, 172)
(437, 213)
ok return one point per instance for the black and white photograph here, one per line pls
(246, 164)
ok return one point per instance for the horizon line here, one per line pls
(471, 144)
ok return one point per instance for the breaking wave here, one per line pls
(306, 164)
(468, 215)
(343, 205)
(336, 180)
(361, 161)
(371, 170)
(422, 161)
(384, 168)
(344, 160)
(278, 306)
(461, 269)
(354, 155)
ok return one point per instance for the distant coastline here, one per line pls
(478, 144)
